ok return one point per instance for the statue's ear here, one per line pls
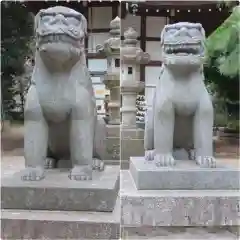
(84, 25)
(203, 32)
(162, 34)
(37, 21)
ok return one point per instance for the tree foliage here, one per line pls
(223, 60)
(17, 30)
(223, 45)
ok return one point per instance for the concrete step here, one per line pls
(177, 207)
(180, 233)
(36, 224)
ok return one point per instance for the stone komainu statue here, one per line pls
(182, 112)
(60, 112)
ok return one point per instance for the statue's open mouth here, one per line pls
(183, 49)
(58, 38)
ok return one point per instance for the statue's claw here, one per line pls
(164, 160)
(32, 174)
(206, 161)
(98, 165)
(149, 155)
(50, 163)
(81, 173)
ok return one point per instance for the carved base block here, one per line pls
(35, 224)
(177, 208)
(58, 192)
(164, 233)
(132, 144)
(186, 174)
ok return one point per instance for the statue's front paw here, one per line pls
(149, 155)
(98, 165)
(32, 174)
(50, 163)
(81, 173)
(206, 161)
(164, 160)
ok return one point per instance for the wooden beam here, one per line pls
(154, 63)
(36, 6)
(115, 10)
(95, 56)
(153, 39)
(99, 30)
(162, 8)
(143, 45)
(101, 4)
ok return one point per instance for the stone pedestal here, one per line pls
(58, 192)
(36, 224)
(171, 200)
(132, 144)
(185, 175)
(60, 208)
(113, 144)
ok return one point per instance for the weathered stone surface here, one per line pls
(111, 49)
(131, 55)
(132, 144)
(58, 192)
(178, 207)
(113, 149)
(180, 154)
(60, 110)
(131, 147)
(163, 233)
(182, 113)
(113, 130)
(25, 224)
(184, 175)
(134, 133)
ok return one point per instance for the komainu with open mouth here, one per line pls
(182, 112)
(60, 111)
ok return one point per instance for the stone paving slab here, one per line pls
(180, 233)
(36, 224)
(177, 207)
(185, 174)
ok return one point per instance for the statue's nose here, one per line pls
(183, 32)
(183, 29)
(60, 18)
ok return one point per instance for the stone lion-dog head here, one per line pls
(183, 44)
(60, 34)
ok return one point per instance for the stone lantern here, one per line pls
(131, 59)
(111, 49)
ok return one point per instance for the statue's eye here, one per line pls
(171, 30)
(73, 21)
(194, 31)
(46, 19)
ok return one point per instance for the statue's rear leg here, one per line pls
(163, 135)
(203, 133)
(99, 144)
(51, 160)
(35, 138)
(81, 144)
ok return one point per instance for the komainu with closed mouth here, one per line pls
(60, 111)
